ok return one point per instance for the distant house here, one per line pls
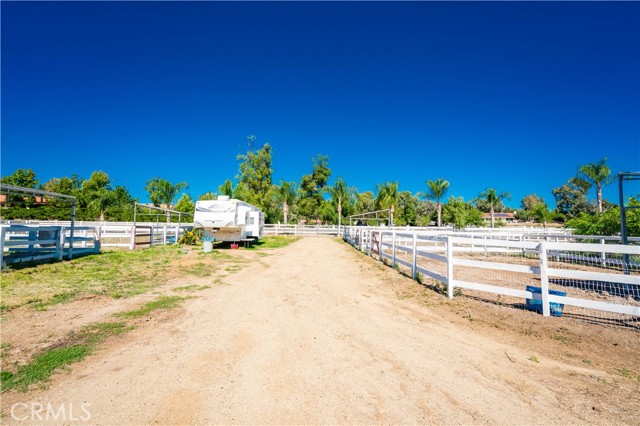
(37, 200)
(505, 217)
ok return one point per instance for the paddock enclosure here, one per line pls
(593, 278)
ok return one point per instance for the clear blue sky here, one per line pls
(508, 95)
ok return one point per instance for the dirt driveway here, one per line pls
(319, 335)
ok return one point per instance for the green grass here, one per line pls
(192, 287)
(120, 273)
(165, 302)
(534, 358)
(199, 269)
(77, 347)
(273, 242)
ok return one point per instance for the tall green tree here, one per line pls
(571, 198)
(185, 204)
(437, 190)
(207, 196)
(341, 193)
(492, 198)
(96, 193)
(598, 174)
(459, 213)
(254, 176)
(162, 192)
(226, 188)
(25, 178)
(387, 198)
(312, 187)
(286, 195)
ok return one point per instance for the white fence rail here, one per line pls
(302, 230)
(20, 243)
(124, 234)
(599, 281)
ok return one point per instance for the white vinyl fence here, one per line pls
(302, 230)
(126, 234)
(597, 280)
(28, 243)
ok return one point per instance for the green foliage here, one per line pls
(254, 177)
(607, 222)
(437, 190)
(226, 188)
(598, 174)
(489, 198)
(343, 197)
(286, 196)
(185, 204)
(571, 198)
(460, 214)
(162, 192)
(164, 302)
(273, 242)
(43, 365)
(406, 212)
(364, 202)
(25, 178)
(190, 238)
(207, 196)
(312, 187)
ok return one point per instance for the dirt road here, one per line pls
(315, 337)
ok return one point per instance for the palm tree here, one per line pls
(286, 194)
(493, 199)
(162, 192)
(599, 174)
(226, 188)
(437, 189)
(340, 193)
(387, 198)
(542, 213)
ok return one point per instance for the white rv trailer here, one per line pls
(228, 219)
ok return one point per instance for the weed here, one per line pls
(192, 287)
(419, 278)
(273, 242)
(534, 358)
(587, 361)
(5, 347)
(58, 298)
(625, 372)
(165, 302)
(75, 349)
(564, 339)
(199, 270)
(233, 268)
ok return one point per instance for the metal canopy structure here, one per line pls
(377, 216)
(9, 190)
(156, 215)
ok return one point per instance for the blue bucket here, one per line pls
(536, 305)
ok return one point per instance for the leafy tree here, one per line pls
(286, 195)
(542, 213)
(207, 196)
(492, 199)
(162, 192)
(529, 202)
(571, 198)
(387, 198)
(185, 204)
(364, 202)
(226, 188)
(459, 213)
(607, 222)
(24, 178)
(96, 194)
(437, 189)
(425, 209)
(254, 178)
(312, 187)
(599, 174)
(407, 209)
(341, 194)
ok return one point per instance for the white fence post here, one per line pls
(414, 265)
(2, 236)
(132, 246)
(177, 235)
(380, 246)
(393, 247)
(164, 235)
(544, 279)
(449, 267)
(151, 236)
